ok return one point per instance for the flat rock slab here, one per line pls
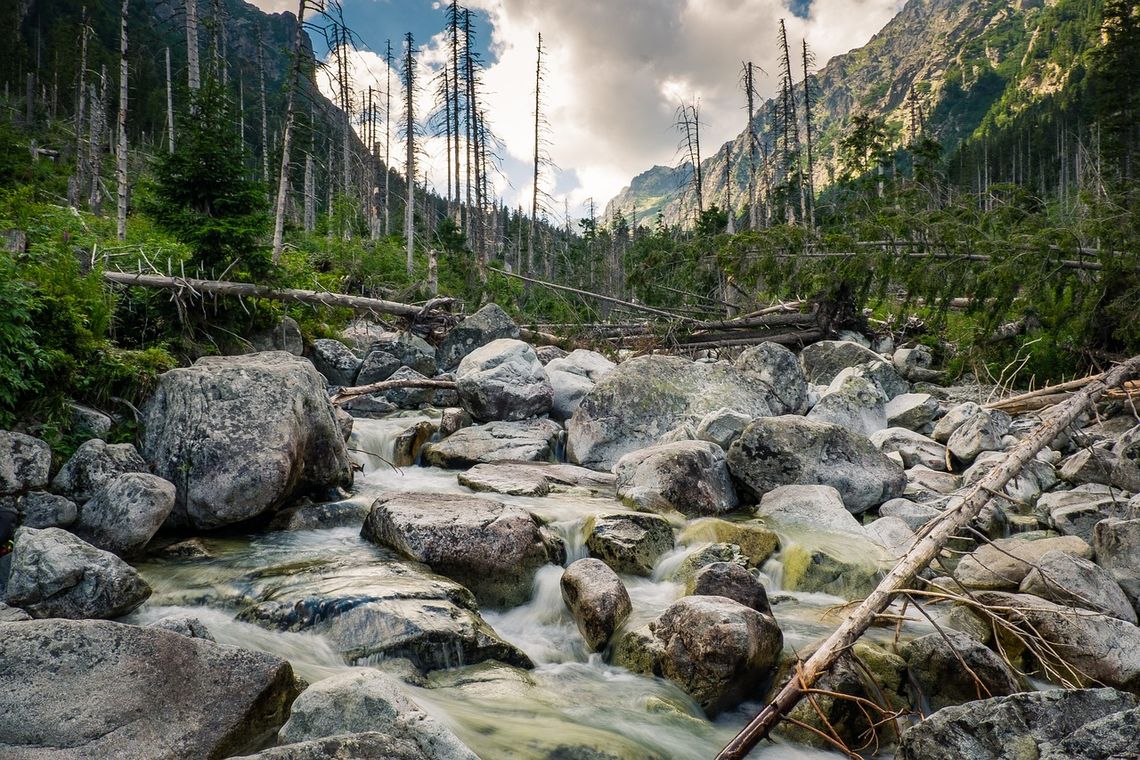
(526, 441)
(93, 689)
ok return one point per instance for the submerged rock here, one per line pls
(690, 477)
(99, 689)
(597, 600)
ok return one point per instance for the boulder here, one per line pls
(914, 448)
(126, 513)
(285, 336)
(629, 543)
(646, 397)
(369, 701)
(1076, 512)
(371, 745)
(25, 463)
(488, 324)
(779, 451)
(94, 464)
(1023, 725)
(857, 404)
(335, 514)
(752, 538)
(409, 444)
(1004, 563)
(954, 419)
(1117, 546)
(569, 390)
(913, 411)
(503, 380)
(526, 441)
(982, 432)
(1110, 738)
(453, 419)
(369, 406)
(596, 598)
(891, 533)
(722, 427)
(924, 484)
(778, 368)
(410, 350)
(823, 360)
(89, 423)
(690, 477)
(1077, 582)
(56, 574)
(40, 509)
(377, 365)
(408, 398)
(241, 436)
(532, 479)
(806, 509)
(1090, 465)
(703, 556)
(491, 548)
(914, 363)
(730, 580)
(184, 625)
(98, 689)
(914, 515)
(879, 373)
(335, 361)
(584, 363)
(949, 668)
(547, 354)
(715, 649)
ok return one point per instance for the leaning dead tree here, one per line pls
(409, 72)
(932, 539)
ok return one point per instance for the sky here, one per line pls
(615, 73)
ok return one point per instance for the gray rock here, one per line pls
(913, 363)
(377, 365)
(134, 693)
(1117, 547)
(126, 513)
(982, 432)
(366, 746)
(704, 556)
(40, 509)
(584, 363)
(569, 390)
(184, 625)
(891, 533)
(954, 419)
(94, 464)
(597, 600)
(335, 361)
(369, 406)
(547, 354)
(645, 397)
(526, 441)
(722, 427)
(822, 361)
(503, 380)
(408, 398)
(89, 423)
(56, 574)
(491, 548)
(532, 479)
(690, 477)
(334, 514)
(410, 350)
(629, 543)
(857, 405)
(778, 368)
(344, 423)
(715, 649)
(1004, 563)
(914, 448)
(369, 701)
(914, 515)
(806, 509)
(1076, 512)
(12, 614)
(453, 419)
(913, 411)
(25, 463)
(488, 324)
(730, 580)
(241, 436)
(1126, 474)
(1010, 728)
(286, 336)
(409, 444)
(1077, 582)
(947, 666)
(783, 450)
(924, 483)
(1091, 465)
(1113, 737)
(879, 373)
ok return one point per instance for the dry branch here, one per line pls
(344, 394)
(933, 537)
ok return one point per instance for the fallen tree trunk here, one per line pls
(250, 290)
(931, 541)
(344, 394)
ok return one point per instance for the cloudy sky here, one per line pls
(616, 70)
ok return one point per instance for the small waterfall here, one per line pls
(372, 444)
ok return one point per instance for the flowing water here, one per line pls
(571, 700)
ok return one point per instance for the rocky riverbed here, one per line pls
(563, 557)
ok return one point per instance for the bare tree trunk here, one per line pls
(750, 92)
(410, 160)
(537, 126)
(447, 133)
(193, 74)
(696, 111)
(95, 143)
(169, 106)
(287, 136)
(264, 109)
(388, 142)
(468, 122)
(810, 184)
(310, 218)
(121, 164)
(81, 106)
(453, 19)
(728, 189)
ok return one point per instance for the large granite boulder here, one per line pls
(55, 574)
(690, 477)
(629, 543)
(857, 404)
(584, 363)
(488, 324)
(25, 463)
(1074, 581)
(335, 361)
(823, 360)
(949, 668)
(733, 581)
(1025, 725)
(715, 649)
(777, 367)
(126, 513)
(1004, 563)
(92, 466)
(241, 436)
(40, 509)
(1117, 546)
(377, 366)
(366, 701)
(646, 397)
(103, 690)
(981, 432)
(525, 441)
(503, 380)
(777, 451)
(569, 390)
(914, 448)
(410, 350)
(491, 548)
(596, 598)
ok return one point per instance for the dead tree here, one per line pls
(310, 214)
(409, 72)
(537, 159)
(121, 163)
(809, 178)
(193, 73)
(169, 106)
(453, 40)
(81, 102)
(690, 147)
(287, 135)
(790, 128)
(388, 140)
(750, 95)
(264, 108)
(97, 141)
